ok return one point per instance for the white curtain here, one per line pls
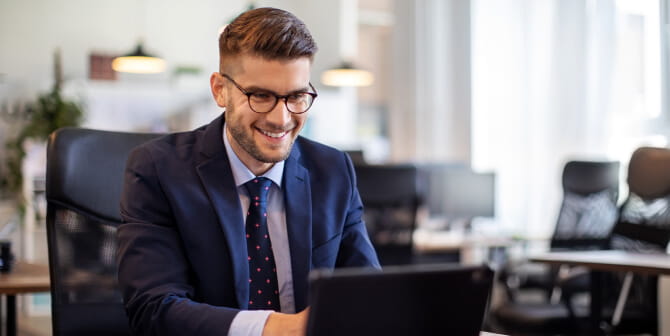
(430, 101)
(554, 80)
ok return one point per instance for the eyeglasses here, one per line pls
(264, 101)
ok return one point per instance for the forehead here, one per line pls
(275, 75)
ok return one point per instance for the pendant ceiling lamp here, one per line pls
(138, 61)
(347, 75)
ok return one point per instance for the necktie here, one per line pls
(263, 285)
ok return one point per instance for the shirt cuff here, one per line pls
(249, 323)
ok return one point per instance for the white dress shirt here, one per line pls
(251, 322)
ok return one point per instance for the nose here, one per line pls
(280, 116)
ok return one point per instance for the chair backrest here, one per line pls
(644, 218)
(589, 207)
(392, 196)
(643, 226)
(83, 188)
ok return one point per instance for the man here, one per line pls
(201, 252)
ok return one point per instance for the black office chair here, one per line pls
(587, 214)
(83, 186)
(643, 226)
(392, 196)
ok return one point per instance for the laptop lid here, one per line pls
(445, 299)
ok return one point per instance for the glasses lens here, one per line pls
(262, 101)
(299, 102)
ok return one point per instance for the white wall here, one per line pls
(183, 33)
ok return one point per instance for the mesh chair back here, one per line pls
(84, 181)
(644, 220)
(643, 226)
(589, 209)
(391, 195)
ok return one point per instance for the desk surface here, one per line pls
(25, 278)
(427, 241)
(610, 260)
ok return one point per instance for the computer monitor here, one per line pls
(459, 194)
(468, 194)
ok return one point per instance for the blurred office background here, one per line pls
(514, 87)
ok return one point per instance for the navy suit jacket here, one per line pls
(182, 255)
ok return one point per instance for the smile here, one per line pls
(273, 135)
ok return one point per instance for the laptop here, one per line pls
(431, 299)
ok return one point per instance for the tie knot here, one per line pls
(258, 188)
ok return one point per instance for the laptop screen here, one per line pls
(447, 299)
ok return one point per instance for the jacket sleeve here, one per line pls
(154, 273)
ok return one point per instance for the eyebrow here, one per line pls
(253, 88)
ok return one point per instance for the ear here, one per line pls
(216, 84)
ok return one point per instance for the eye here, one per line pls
(296, 97)
(261, 95)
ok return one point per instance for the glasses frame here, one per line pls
(277, 97)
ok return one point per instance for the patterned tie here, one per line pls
(263, 285)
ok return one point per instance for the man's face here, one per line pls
(261, 139)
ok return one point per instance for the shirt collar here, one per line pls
(242, 174)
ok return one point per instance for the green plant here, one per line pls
(48, 113)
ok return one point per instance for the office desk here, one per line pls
(24, 278)
(608, 261)
(472, 248)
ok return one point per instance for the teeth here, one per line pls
(273, 135)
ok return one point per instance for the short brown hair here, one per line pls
(270, 33)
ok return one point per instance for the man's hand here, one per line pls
(279, 324)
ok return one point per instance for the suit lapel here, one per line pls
(217, 179)
(298, 204)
